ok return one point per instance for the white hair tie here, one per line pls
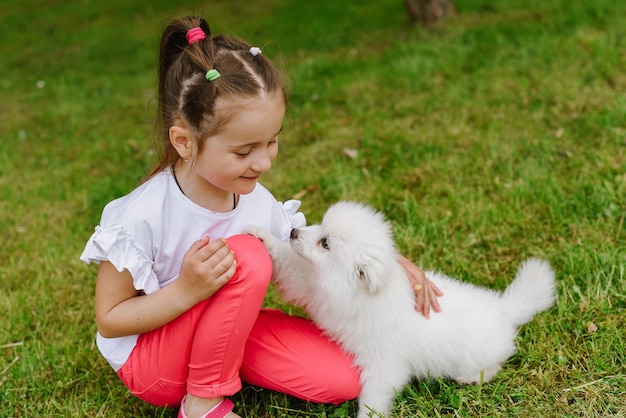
(255, 50)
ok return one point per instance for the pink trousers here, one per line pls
(228, 337)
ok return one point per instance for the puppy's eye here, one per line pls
(324, 243)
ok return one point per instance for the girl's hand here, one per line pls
(206, 267)
(426, 292)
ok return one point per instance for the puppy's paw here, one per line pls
(256, 231)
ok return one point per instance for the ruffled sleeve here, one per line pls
(285, 217)
(116, 245)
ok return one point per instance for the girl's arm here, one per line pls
(206, 267)
(426, 292)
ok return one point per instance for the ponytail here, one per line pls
(195, 69)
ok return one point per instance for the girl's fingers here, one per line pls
(435, 289)
(226, 262)
(223, 276)
(419, 297)
(217, 248)
(198, 245)
(434, 301)
(426, 305)
(426, 297)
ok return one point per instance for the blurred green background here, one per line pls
(489, 137)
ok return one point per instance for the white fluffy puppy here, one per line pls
(345, 274)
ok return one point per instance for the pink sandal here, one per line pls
(218, 411)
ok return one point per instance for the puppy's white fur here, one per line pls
(345, 274)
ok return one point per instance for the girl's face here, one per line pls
(233, 160)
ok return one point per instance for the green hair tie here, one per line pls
(212, 75)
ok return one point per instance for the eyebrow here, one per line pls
(256, 142)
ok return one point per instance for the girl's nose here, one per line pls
(262, 163)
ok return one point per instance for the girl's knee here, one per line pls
(253, 260)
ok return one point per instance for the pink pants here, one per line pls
(228, 337)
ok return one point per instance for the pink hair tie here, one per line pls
(194, 35)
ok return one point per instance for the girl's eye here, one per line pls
(324, 243)
(243, 154)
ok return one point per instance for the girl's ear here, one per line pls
(181, 139)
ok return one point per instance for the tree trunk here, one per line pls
(428, 11)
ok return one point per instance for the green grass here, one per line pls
(498, 135)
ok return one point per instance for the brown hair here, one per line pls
(185, 94)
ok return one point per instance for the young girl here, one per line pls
(179, 288)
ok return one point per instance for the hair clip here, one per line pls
(194, 35)
(212, 75)
(255, 50)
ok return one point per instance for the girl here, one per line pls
(179, 289)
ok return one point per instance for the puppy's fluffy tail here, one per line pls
(533, 290)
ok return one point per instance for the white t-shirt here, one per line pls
(148, 231)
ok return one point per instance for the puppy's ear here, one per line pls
(370, 277)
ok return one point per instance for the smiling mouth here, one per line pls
(254, 178)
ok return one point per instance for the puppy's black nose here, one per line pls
(294, 234)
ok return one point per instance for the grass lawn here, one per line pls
(495, 136)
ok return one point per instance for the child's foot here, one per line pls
(193, 406)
